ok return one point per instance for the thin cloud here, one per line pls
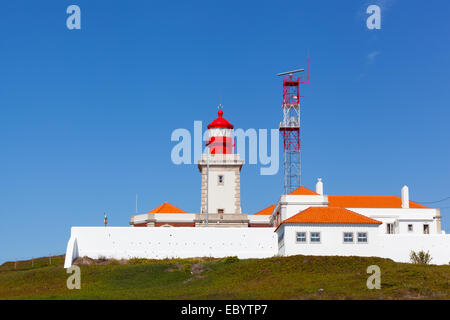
(371, 56)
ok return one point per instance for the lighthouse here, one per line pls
(220, 169)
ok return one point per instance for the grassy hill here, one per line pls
(296, 277)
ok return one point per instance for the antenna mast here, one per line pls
(136, 203)
(290, 127)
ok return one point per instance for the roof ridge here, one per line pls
(166, 206)
(302, 190)
(263, 211)
(371, 201)
(331, 215)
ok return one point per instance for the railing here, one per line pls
(26, 263)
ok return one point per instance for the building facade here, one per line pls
(303, 221)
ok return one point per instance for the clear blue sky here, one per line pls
(86, 115)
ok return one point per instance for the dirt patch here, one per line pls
(198, 268)
(199, 276)
(86, 261)
(195, 268)
(175, 267)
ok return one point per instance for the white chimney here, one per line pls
(319, 186)
(405, 197)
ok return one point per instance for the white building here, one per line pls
(302, 222)
(397, 215)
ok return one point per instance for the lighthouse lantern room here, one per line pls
(220, 169)
(220, 136)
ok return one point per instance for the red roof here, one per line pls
(220, 122)
(370, 202)
(266, 211)
(303, 191)
(167, 208)
(330, 215)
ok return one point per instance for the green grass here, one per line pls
(296, 277)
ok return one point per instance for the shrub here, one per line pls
(420, 257)
(230, 259)
(187, 268)
(138, 261)
(113, 262)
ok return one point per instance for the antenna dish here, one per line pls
(290, 72)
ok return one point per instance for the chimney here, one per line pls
(319, 186)
(405, 197)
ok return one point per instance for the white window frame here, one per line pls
(362, 242)
(320, 237)
(296, 237)
(343, 238)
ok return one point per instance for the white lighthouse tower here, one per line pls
(220, 168)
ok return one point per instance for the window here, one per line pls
(348, 237)
(410, 228)
(362, 237)
(390, 228)
(220, 211)
(300, 237)
(220, 180)
(280, 239)
(315, 237)
(426, 229)
(281, 236)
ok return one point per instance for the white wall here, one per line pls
(290, 205)
(393, 246)
(417, 226)
(332, 240)
(398, 246)
(259, 218)
(293, 204)
(160, 243)
(222, 196)
(174, 217)
(163, 217)
(402, 217)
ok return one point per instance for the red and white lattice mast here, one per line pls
(290, 128)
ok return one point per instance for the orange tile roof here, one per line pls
(303, 191)
(266, 211)
(167, 208)
(330, 215)
(370, 202)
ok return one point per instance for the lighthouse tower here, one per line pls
(220, 168)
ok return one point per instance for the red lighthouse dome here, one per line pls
(220, 122)
(220, 136)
